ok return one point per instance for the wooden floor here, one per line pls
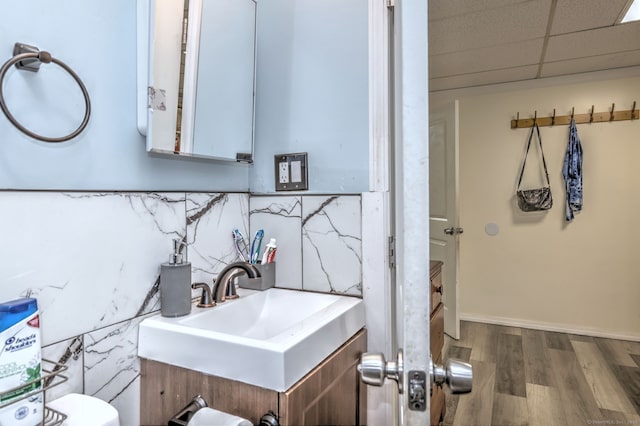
(531, 377)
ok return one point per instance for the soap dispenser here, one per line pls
(175, 284)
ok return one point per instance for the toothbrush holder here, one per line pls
(267, 279)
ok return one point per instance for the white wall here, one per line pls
(97, 39)
(538, 270)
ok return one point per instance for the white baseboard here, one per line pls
(547, 326)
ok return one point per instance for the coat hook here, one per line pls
(613, 106)
(591, 115)
(535, 117)
(572, 113)
(517, 119)
(553, 118)
(633, 110)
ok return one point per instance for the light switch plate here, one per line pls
(291, 172)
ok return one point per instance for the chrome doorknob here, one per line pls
(457, 374)
(374, 369)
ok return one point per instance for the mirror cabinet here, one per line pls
(201, 78)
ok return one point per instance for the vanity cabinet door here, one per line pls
(332, 393)
(166, 389)
(437, 338)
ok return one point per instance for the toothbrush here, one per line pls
(255, 246)
(238, 239)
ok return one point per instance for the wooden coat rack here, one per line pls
(564, 120)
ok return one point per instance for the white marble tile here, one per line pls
(112, 368)
(211, 218)
(280, 218)
(128, 404)
(70, 354)
(91, 259)
(332, 244)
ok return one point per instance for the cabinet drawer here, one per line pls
(437, 405)
(436, 288)
(437, 331)
(435, 279)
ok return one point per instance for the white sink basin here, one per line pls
(268, 338)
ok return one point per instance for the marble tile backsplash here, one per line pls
(93, 261)
(319, 240)
(210, 220)
(281, 218)
(332, 244)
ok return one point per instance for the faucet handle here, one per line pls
(206, 301)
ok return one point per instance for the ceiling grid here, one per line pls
(480, 42)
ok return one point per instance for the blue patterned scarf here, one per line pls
(572, 172)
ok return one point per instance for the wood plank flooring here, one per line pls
(532, 377)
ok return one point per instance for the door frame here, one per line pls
(392, 30)
(377, 277)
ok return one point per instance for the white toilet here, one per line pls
(85, 410)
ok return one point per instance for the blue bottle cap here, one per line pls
(16, 310)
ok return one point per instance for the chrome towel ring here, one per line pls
(29, 58)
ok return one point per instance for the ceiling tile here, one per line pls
(486, 59)
(579, 15)
(601, 41)
(483, 78)
(523, 20)
(592, 63)
(439, 9)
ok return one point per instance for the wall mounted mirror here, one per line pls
(201, 78)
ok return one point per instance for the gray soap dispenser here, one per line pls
(175, 284)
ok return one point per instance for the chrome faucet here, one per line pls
(223, 287)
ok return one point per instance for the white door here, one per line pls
(444, 229)
(409, 187)
(412, 202)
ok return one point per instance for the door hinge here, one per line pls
(391, 3)
(392, 251)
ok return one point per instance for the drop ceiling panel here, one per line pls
(486, 59)
(592, 63)
(439, 9)
(580, 15)
(480, 42)
(483, 78)
(601, 41)
(482, 28)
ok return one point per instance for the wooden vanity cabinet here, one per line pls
(437, 337)
(330, 394)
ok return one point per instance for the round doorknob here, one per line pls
(374, 369)
(457, 374)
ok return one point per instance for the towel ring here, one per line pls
(32, 60)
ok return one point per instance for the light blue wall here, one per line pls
(312, 95)
(312, 92)
(97, 38)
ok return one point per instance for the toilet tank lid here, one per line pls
(82, 410)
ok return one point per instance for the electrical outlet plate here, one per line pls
(291, 172)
